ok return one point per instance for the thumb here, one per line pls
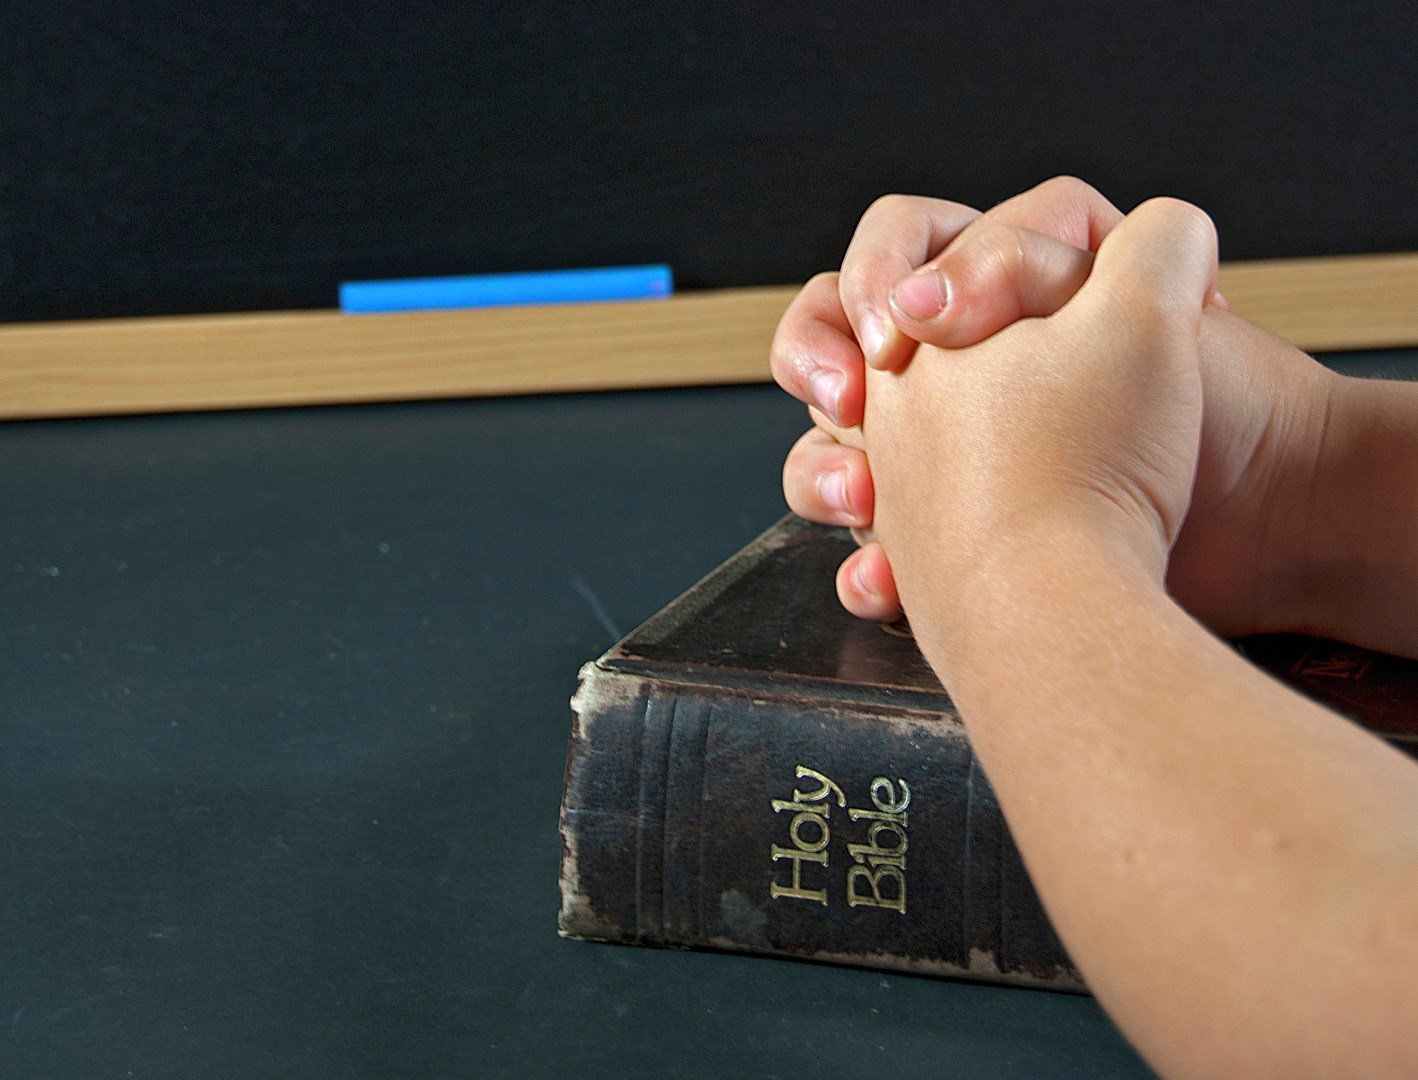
(1158, 264)
(988, 279)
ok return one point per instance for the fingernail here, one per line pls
(833, 490)
(921, 296)
(1220, 301)
(826, 390)
(873, 336)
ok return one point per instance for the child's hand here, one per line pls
(1169, 800)
(1083, 425)
(1265, 401)
(816, 354)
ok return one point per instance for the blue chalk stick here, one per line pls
(507, 290)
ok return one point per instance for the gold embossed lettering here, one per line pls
(876, 815)
(878, 876)
(808, 832)
(872, 851)
(821, 793)
(795, 890)
(779, 805)
(895, 900)
(883, 795)
(795, 832)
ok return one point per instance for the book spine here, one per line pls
(711, 818)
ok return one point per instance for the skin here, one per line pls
(1231, 866)
(1293, 523)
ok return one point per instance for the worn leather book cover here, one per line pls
(753, 769)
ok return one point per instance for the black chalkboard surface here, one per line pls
(173, 157)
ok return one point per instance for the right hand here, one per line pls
(1264, 401)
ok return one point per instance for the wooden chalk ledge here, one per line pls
(323, 357)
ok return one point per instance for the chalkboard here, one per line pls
(165, 157)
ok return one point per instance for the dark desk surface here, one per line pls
(282, 726)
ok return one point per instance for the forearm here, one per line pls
(1200, 836)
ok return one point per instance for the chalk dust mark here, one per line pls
(595, 604)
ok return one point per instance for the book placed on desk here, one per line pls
(756, 770)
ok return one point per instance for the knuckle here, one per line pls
(888, 205)
(1003, 246)
(1180, 216)
(994, 259)
(856, 287)
(1071, 187)
(1185, 228)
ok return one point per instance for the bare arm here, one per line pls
(1276, 538)
(1234, 868)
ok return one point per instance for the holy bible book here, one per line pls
(755, 770)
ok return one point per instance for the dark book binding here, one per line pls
(755, 770)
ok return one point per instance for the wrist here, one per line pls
(1031, 579)
(1359, 523)
(1292, 546)
(1242, 563)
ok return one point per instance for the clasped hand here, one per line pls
(1051, 364)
